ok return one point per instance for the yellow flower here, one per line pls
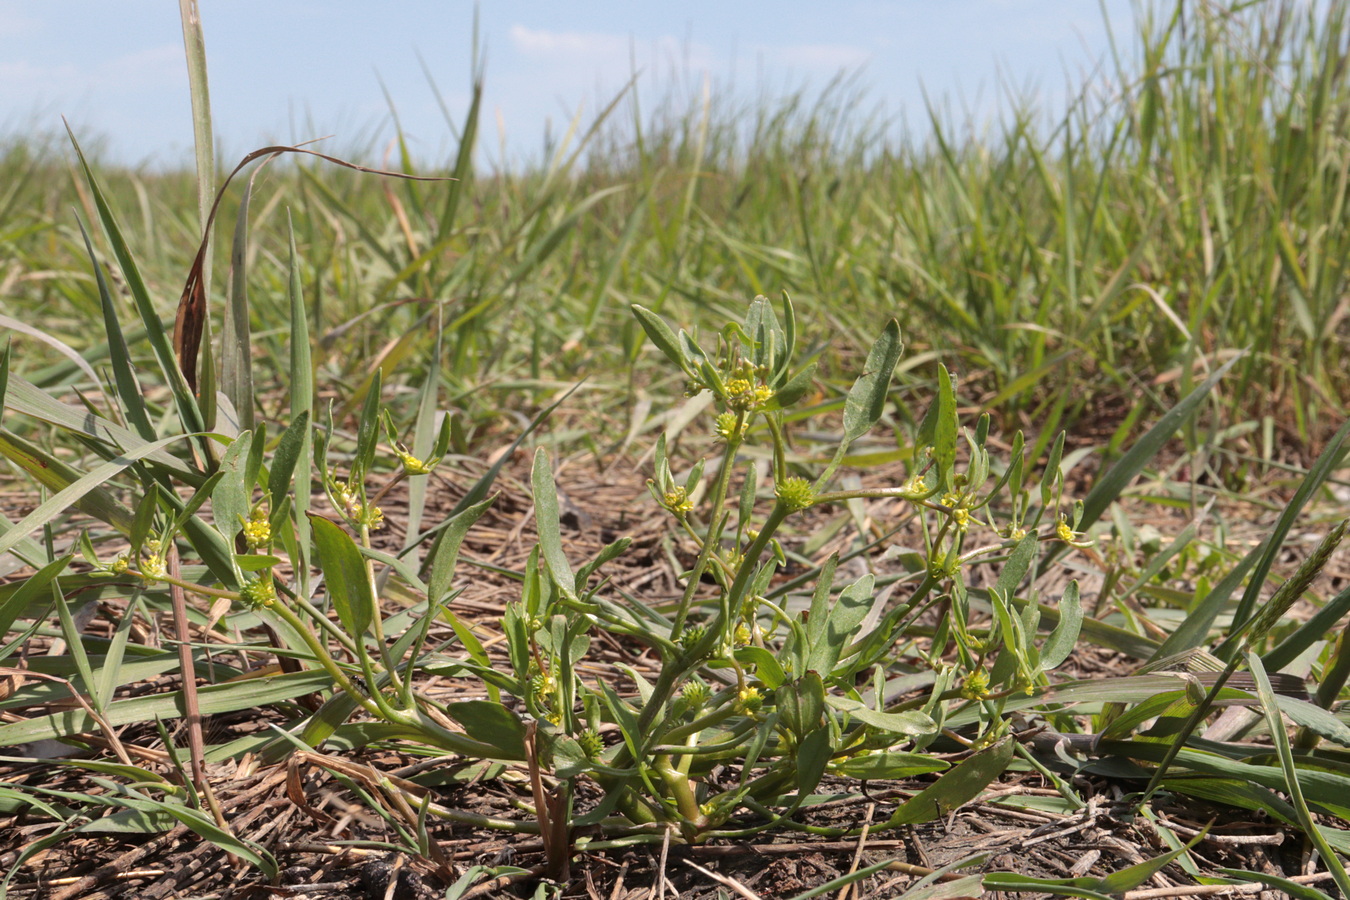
(677, 501)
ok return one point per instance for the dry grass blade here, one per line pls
(190, 321)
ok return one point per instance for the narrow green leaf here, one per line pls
(29, 591)
(956, 787)
(189, 413)
(441, 559)
(368, 430)
(911, 723)
(1275, 725)
(1292, 888)
(546, 521)
(290, 451)
(345, 575)
(76, 490)
(56, 474)
(129, 392)
(660, 334)
(1317, 475)
(1194, 629)
(233, 496)
(302, 406)
(1113, 482)
(1064, 638)
(813, 755)
(236, 339)
(27, 398)
(888, 764)
(844, 618)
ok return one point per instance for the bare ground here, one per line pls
(331, 844)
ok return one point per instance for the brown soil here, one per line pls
(331, 844)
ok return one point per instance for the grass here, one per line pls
(1167, 259)
(1189, 204)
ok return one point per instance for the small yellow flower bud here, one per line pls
(677, 501)
(975, 686)
(748, 700)
(153, 568)
(257, 533)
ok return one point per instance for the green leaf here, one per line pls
(367, 430)
(1292, 888)
(546, 521)
(660, 334)
(1064, 638)
(813, 755)
(189, 414)
(75, 491)
(1275, 724)
(888, 764)
(1015, 569)
(911, 722)
(290, 451)
(302, 408)
(55, 474)
(29, 590)
(491, 723)
(1113, 482)
(867, 398)
(444, 553)
(956, 787)
(25, 397)
(236, 341)
(844, 618)
(129, 392)
(344, 573)
(767, 667)
(1317, 475)
(233, 497)
(794, 390)
(213, 699)
(801, 704)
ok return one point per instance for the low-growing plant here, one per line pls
(768, 684)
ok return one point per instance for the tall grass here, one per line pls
(1189, 203)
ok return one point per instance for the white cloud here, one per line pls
(567, 44)
(153, 68)
(828, 58)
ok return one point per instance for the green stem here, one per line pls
(372, 704)
(713, 539)
(376, 620)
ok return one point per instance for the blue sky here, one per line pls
(289, 70)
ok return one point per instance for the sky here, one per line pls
(292, 70)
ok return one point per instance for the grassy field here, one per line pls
(1161, 273)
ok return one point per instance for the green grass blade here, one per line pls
(189, 412)
(56, 475)
(302, 409)
(1275, 723)
(1114, 481)
(1317, 475)
(124, 372)
(236, 340)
